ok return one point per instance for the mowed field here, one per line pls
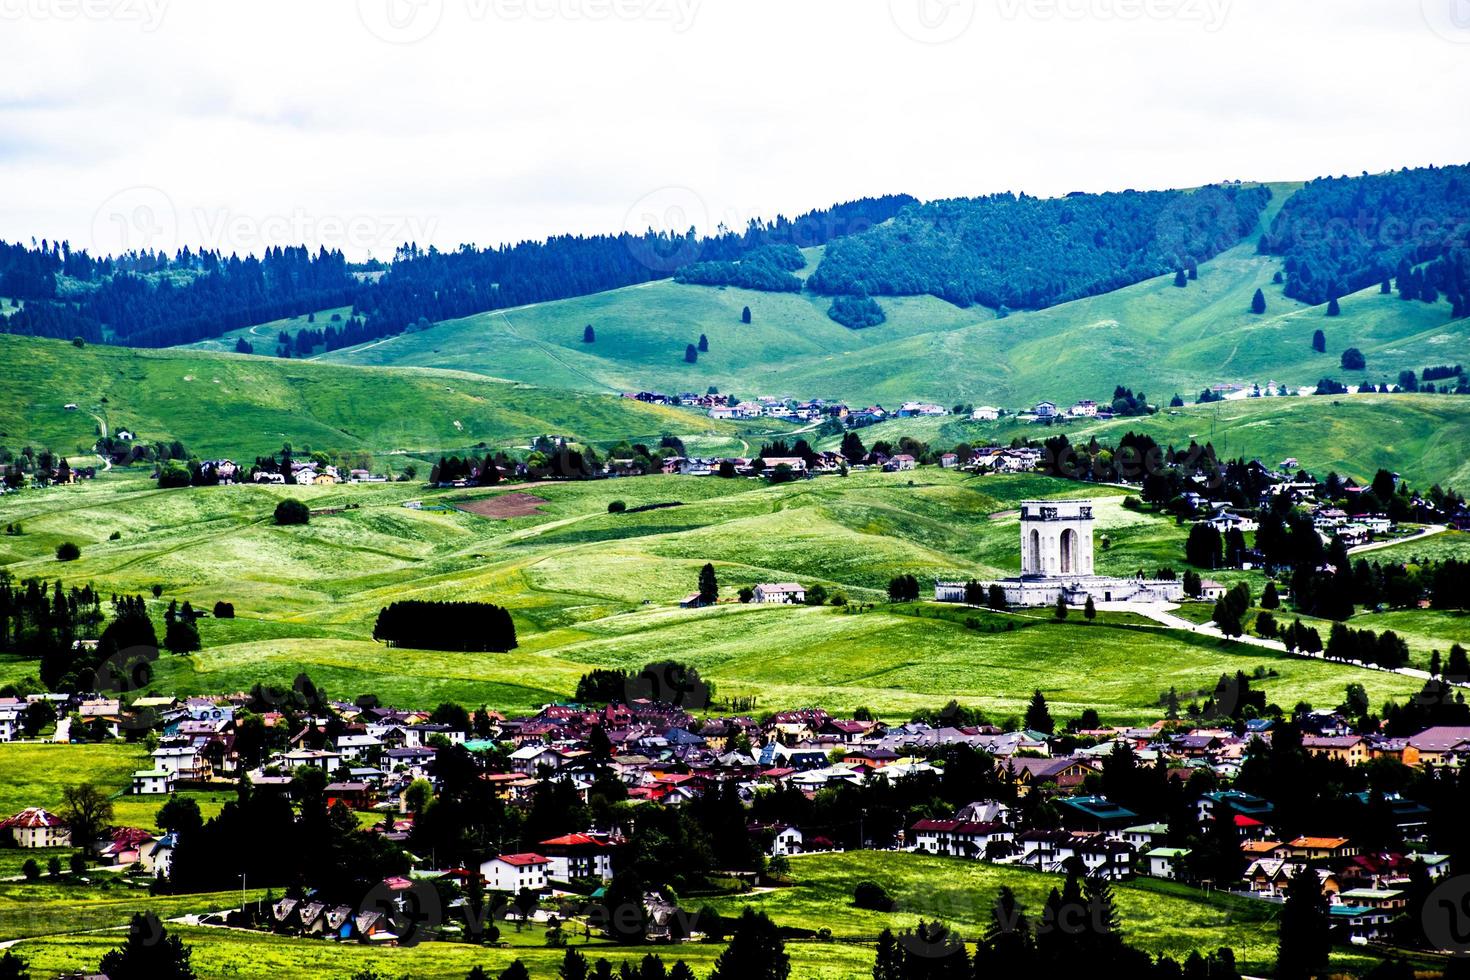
(243, 406)
(592, 589)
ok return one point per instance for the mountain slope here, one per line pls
(240, 406)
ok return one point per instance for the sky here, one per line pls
(361, 124)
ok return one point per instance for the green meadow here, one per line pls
(228, 404)
(592, 589)
(1151, 336)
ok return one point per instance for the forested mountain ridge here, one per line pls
(1340, 234)
(155, 300)
(1022, 252)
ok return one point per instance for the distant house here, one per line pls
(1211, 591)
(1045, 410)
(788, 593)
(578, 856)
(153, 782)
(510, 873)
(35, 827)
(692, 601)
(900, 463)
(1086, 408)
(985, 413)
(1165, 862)
(949, 461)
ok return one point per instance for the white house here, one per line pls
(355, 747)
(985, 413)
(578, 856)
(158, 858)
(183, 761)
(788, 841)
(512, 872)
(10, 709)
(1165, 862)
(788, 593)
(34, 827)
(1045, 410)
(153, 782)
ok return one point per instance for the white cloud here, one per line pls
(506, 119)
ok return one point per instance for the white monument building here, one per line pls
(1056, 560)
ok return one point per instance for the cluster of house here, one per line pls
(664, 754)
(1366, 891)
(306, 473)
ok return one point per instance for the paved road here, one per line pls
(1160, 613)
(1428, 532)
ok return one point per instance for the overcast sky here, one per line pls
(362, 123)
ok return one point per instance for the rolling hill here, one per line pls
(226, 404)
(1152, 336)
(1418, 436)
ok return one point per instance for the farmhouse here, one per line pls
(788, 593)
(34, 827)
(153, 782)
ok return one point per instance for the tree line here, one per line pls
(474, 627)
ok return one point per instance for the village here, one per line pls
(1185, 817)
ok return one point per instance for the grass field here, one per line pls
(226, 404)
(1152, 336)
(592, 589)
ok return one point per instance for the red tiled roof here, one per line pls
(32, 817)
(522, 860)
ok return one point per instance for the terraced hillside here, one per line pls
(592, 589)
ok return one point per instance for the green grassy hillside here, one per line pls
(230, 404)
(1419, 436)
(1152, 335)
(592, 589)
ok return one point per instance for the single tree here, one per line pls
(709, 586)
(1061, 608)
(87, 811)
(691, 354)
(589, 336)
(1319, 341)
(745, 315)
(1038, 715)
(1353, 360)
(703, 344)
(149, 953)
(13, 967)
(1270, 599)
(1258, 302)
(1305, 939)
(292, 511)
(756, 951)
(1181, 279)
(1333, 308)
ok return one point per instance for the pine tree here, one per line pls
(1333, 309)
(1181, 279)
(1089, 610)
(709, 586)
(888, 963)
(516, 971)
(745, 315)
(1304, 940)
(573, 966)
(589, 336)
(13, 967)
(1270, 599)
(1061, 608)
(691, 354)
(1038, 715)
(1258, 302)
(703, 344)
(756, 951)
(1319, 342)
(149, 953)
